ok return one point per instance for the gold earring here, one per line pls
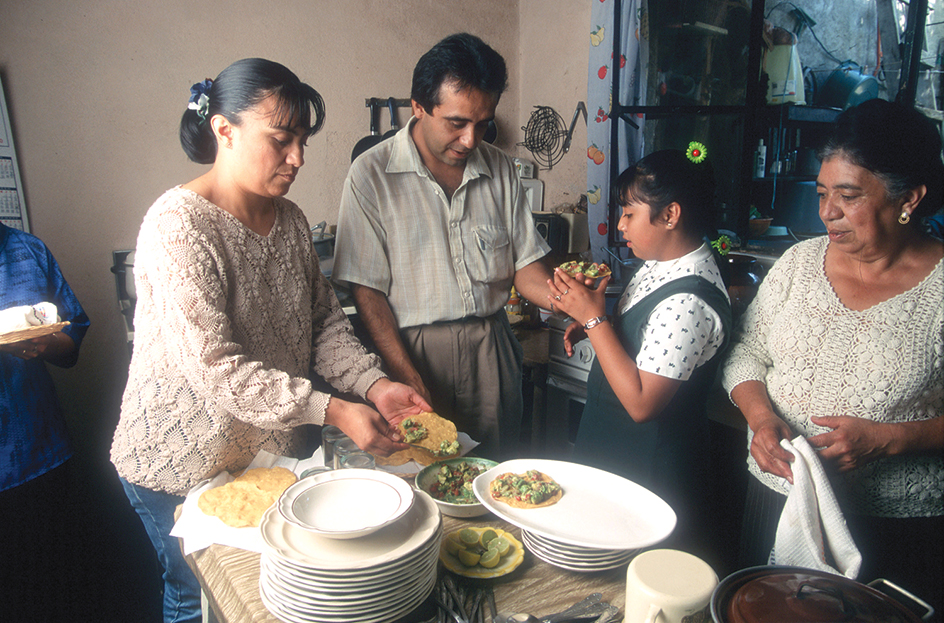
(904, 218)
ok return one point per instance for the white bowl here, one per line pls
(346, 504)
(427, 476)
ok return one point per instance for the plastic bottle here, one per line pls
(514, 303)
(760, 159)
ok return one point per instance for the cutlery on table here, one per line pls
(588, 606)
(490, 595)
(449, 610)
(609, 614)
(454, 593)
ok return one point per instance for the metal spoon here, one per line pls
(515, 617)
(589, 606)
(608, 615)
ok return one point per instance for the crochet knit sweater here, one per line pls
(819, 358)
(228, 325)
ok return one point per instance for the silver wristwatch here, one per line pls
(594, 322)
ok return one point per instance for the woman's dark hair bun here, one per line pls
(238, 88)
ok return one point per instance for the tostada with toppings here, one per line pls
(436, 437)
(588, 269)
(532, 489)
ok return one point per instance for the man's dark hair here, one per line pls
(462, 59)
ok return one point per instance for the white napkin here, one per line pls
(26, 316)
(810, 514)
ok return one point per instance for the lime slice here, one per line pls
(452, 544)
(501, 544)
(468, 536)
(487, 537)
(490, 559)
(469, 559)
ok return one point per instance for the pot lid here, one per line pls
(802, 595)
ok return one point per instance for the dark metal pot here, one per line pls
(742, 275)
(773, 594)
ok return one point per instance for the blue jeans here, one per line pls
(181, 589)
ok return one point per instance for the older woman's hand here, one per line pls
(766, 448)
(751, 398)
(852, 442)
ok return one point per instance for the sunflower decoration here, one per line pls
(696, 152)
(722, 245)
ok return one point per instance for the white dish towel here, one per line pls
(810, 514)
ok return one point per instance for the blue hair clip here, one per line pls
(200, 98)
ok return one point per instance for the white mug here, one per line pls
(668, 586)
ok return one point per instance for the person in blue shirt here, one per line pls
(34, 442)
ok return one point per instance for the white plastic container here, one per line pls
(760, 159)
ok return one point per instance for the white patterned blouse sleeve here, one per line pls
(681, 334)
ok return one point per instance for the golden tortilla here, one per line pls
(530, 476)
(242, 502)
(438, 429)
(269, 478)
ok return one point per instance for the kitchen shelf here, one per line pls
(733, 116)
(702, 89)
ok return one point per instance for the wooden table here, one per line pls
(230, 581)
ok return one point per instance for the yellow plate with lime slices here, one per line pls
(506, 564)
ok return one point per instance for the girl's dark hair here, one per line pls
(461, 58)
(242, 86)
(897, 144)
(668, 176)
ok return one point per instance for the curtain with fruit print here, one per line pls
(632, 92)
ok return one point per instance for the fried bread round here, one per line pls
(242, 502)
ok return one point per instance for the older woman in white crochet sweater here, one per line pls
(844, 346)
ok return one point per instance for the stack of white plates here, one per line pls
(575, 557)
(600, 522)
(308, 577)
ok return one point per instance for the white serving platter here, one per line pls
(598, 509)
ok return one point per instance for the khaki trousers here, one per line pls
(473, 369)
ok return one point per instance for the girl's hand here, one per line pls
(573, 334)
(571, 296)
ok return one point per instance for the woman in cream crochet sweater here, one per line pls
(843, 345)
(233, 313)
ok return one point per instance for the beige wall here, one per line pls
(96, 90)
